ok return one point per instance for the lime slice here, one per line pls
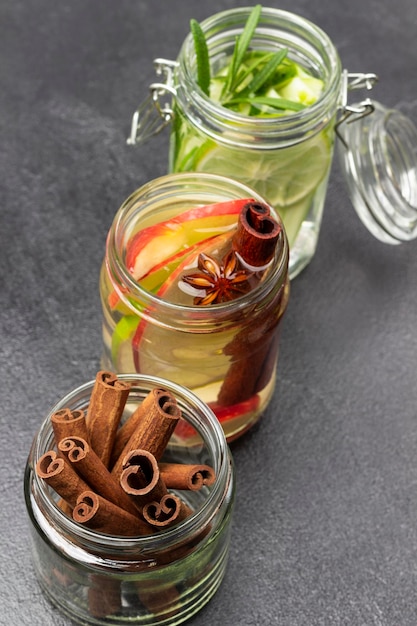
(283, 177)
(286, 178)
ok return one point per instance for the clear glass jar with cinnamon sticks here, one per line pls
(129, 521)
(194, 287)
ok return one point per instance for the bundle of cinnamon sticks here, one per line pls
(110, 477)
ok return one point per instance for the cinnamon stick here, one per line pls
(168, 511)
(157, 598)
(104, 596)
(255, 242)
(154, 429)
(86, 462)
(141, 478)
(256, 236)
(249, 351)
(57, 472)
(183, 549)
(67, 423)
(184, 476)
(127, 429)
(105, 409)
(99, 514)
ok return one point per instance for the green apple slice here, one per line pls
(121, 351)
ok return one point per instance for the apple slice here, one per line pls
(172, 279)
(153, 244)
(228, 416)
(121, 337)
(156, 277)
(151, 248)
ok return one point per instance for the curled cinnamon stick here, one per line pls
(184, 476)
(67, 423)
(141, 479)
(168, 511)
(154, 429)
(128, 428)
(57, 472)
(256, 235)
(105, 409)
(86, 462)
(103, 516)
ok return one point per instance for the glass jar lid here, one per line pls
(378, 154)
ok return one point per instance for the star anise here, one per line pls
(220, 282)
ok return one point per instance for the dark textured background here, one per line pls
(325, 530)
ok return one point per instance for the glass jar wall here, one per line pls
(227, 352)
(285, 158)
(162, 578)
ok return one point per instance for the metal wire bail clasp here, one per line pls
(153, 114)
(352, 113)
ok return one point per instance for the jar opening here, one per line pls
(307, 44)
(212, 445)
(177, 193)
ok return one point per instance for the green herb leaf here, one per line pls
(247, 69)
(266, 72)
(284, 72)
(274, 103)
(242, 44)
(202, 56)
(233, 68)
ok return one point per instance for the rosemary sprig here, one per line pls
(248, 71)
(241, 46)
(202, 56)
(267, 71)
(244, 72)
(262, 101)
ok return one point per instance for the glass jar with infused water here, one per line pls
(259, 95)
(278, 141)
(194, 287)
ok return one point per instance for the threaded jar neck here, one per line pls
(307, 45)
(180, 192)
(91, 546)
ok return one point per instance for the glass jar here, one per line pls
(226, 353)
(284, 158)
(288, 159)
(163, 578)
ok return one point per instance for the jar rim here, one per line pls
(274, 125)
(203, 420)
(194, 314)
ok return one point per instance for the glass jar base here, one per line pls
(181, 609)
